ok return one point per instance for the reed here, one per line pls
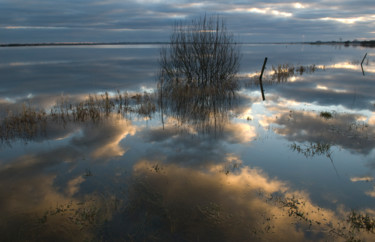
(28, 123)
(282, 73)
(31, 122)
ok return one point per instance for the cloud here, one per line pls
(66, 19)
(42, 189)
(343, 20)
(371, 193)
(104, 143)
(73, 185)
(264, 11)
(239, 133)
(345, 130)
(177, 143)
(223, 206)
(363, 178)
(29, 192)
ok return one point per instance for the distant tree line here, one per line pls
(365, 43)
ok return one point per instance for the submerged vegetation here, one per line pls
(283, 73)
(359, 221)
(313, 149)
(31, 122)
(326, 115)
(353, 226)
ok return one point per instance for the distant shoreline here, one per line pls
(370, 43)
(99, 43)
(79, 43)
(366, 43)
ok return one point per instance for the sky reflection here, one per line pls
(129, 175)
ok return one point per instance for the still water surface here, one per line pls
(292, 167)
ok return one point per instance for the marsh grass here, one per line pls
(28, 123)
(31, 122)
(352, 227)
(295, 208)
(282, 73)
(81, 214)
(146, 104)
(358, 131)
(87, 173)
(206, 112)
(359, 221)
(326, 115)
(313, 149)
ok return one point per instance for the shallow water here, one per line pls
(291, 167)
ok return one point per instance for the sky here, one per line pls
(35, 21)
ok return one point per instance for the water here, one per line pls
(277, 169)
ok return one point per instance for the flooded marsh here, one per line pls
(94, 148)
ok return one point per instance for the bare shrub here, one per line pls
(201, 60)
(198, 70)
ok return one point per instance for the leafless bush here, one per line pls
(198, 71)
(201, 60)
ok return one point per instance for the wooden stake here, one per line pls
(363, 72)
(363, 58)
(260, 78)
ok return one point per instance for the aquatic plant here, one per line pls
(32, 122)
(146, 104)
(313, 149)
(87, 172)
(26, 124)
(326, 115)
(282, 73)
(359, 221)
(351, 228)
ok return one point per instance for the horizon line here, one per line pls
(158, 42)
(115, 43)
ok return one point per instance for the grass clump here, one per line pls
(326, 115)
(283, 72)
(313, 149)
(30, 122)
(360, 221)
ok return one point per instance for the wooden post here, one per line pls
(363, 59)
(363, 72)
(161, 99)
(260, 78)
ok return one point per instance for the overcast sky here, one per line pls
(28, 21)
